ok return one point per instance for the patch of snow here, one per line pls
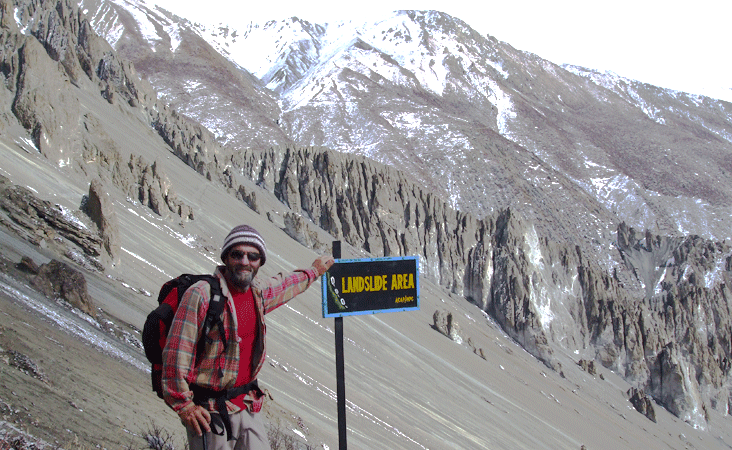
(175, 39)
(535, 256)
(542, 303)
(191, 85)
(146, 26)
(714, 276)
(650, 111)
(299, 433)
(115, 34)
(140, 258)
(659, 288)
(74, 322)
(70, 217)
(685, 275)
(24, 142)
(539, 295)
(19, 22)
(113, 28)
(503, 103)
(696, 416)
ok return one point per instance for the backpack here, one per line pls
(158, 322)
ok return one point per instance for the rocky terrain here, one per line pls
(100, 173)
(76, 379)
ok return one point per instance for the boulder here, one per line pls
(57, 279)
(642, 403)
(588, 366)
(443, 321)
(27, 265)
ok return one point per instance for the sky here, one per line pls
(681, 45)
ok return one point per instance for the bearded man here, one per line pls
(216, 396)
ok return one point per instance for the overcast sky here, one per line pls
(678, 45)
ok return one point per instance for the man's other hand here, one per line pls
(323, 263)
(197, 419)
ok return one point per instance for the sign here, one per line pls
(368, 286)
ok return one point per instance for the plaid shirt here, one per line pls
(218, 367)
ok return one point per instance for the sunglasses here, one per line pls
(239, 255)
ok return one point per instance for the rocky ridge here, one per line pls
(647, 319)
(49, 70)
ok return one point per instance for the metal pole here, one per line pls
(340, 368)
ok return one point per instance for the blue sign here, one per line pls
(369, 286)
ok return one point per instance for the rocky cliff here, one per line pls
(55, 72)
(661, 318)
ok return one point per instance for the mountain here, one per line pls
(576, 214)
(425, 92)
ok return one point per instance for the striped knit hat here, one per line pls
(244, 234)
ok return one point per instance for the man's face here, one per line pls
(240, 269)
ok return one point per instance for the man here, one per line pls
(217, 397)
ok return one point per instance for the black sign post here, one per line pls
(365, 286)
(340, 368)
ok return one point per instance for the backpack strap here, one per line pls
(216, 305)
(202, 395)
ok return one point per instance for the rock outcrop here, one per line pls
(154, 190)
(100, 209)
(59, 280)
(43, 68)
(303, 231)
(548, 296)
(443, 322)
(23, 363)
(588, 366)
(642, 403)
(46, 73)
(47, 225)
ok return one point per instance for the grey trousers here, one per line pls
(247, 428)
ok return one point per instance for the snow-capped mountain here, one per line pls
(424, 92)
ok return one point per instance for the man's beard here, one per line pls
(242, 279)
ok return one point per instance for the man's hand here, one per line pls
(323, 263)
(197, 419)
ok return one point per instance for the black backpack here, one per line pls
(158, 322)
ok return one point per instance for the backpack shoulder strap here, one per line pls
(216, 305)
(217, 301)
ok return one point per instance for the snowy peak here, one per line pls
(278, 52)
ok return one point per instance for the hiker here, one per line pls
(216, 396)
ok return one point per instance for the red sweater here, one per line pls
(246, 325)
